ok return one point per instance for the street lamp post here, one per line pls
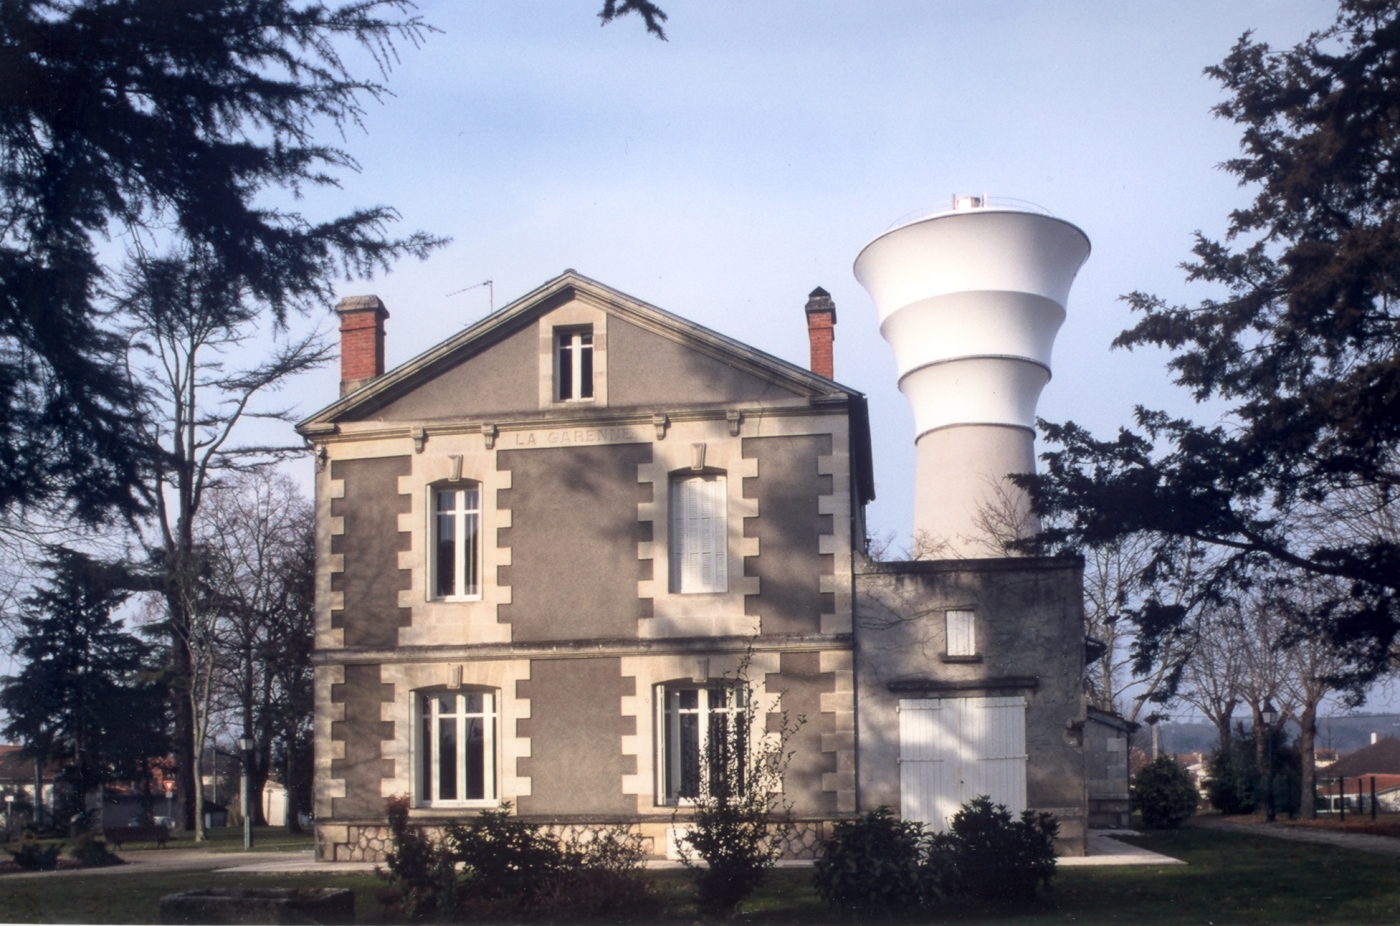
(245, 745)
(1269, 715)
(170, 800)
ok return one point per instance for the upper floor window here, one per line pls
(456, 541)
(962, 633)
(573, 363)
(456, 747)
(699, 534)
(704, 742)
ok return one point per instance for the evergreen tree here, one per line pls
(85, 695)
(1302, 345)
(171, 125)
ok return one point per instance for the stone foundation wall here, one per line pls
(369, 842)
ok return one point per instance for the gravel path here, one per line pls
(1363, 842)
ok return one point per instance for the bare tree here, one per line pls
(1114, 592)
(1213, 673)
(193, 359)
(258, 530)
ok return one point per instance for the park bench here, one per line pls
(117, 835)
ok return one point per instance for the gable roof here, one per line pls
(1380, 758)
(571, 285)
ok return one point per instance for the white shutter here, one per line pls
(1001, 756)
(962, 639)
(699, 538)
(953, 749)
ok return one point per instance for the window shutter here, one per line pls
(699, 538)
(962, 640)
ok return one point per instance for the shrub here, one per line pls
(90, 851)
(502, 858)
(498, 865)
(988, 856)
(32, 855)
(1164, 794)
(739, 821)
(871, 864)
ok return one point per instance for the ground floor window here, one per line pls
(703, 739)
(456, 747)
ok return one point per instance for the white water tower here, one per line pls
(971, 299)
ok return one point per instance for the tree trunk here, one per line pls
(1261, 743)
(261, 760)
(1222, 732)
(1307, 746)
(183, 740)
(289, 768)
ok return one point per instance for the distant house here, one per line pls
(17, 777)
(1350, 779)
(1380, 758)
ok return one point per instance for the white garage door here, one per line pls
(953, 749)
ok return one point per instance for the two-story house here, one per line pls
(547, 544)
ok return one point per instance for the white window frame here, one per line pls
(672, 709)
(576, 346)
(961, 629)
(465, 517)
(699, 529)
(428, 754)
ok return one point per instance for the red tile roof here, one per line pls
(1380, 758)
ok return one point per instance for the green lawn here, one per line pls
(1232, 878)
(265, 839)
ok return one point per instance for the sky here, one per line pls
(725, 173)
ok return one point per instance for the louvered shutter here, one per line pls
(699, 539)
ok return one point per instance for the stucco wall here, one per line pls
(370, 582)
(790, 564)
(576, 727)
(802, 683)
(1030, 636)
(357, 737)
(648, 369)
(494, 381)
(573, 536)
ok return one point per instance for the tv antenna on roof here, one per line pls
(491, 288)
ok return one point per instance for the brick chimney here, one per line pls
(821, 331)
(361, 340)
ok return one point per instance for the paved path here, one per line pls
(1105, 850)
(142, 860)
(1362, 842)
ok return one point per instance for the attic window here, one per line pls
(573, 364)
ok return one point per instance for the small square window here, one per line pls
(573, 364)
(962, 633)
